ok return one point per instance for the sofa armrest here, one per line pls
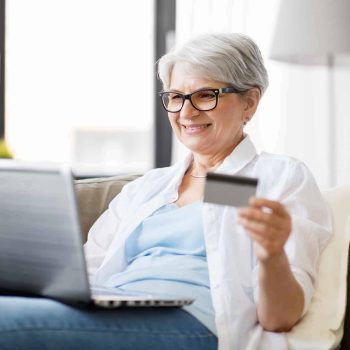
(94, 196)
(322, 327)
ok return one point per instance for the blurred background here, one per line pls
(78, 80)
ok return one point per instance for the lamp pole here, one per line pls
(332, 122)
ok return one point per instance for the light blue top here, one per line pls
(166, 255)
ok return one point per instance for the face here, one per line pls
(210, 132)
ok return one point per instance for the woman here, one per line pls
(262, 260)
(251, 270)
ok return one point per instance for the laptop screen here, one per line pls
(40, 241)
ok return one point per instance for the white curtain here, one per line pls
(292, 117)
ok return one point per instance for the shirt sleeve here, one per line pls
(311, 229)
(99, 238)
(104, 230)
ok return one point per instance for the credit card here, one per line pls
(229, 189)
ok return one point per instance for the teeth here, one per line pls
(196, 127)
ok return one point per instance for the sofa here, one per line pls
(326, 325)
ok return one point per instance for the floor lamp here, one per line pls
(314, 32)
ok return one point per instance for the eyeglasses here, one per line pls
(202, 100)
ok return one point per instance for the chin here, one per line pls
(195, 148)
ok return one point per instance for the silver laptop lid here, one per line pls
(40, 238)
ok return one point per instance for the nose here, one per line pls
(188, 111)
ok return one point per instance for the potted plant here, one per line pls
(4, 150)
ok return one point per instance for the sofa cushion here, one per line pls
(322, 326)
(94, 195)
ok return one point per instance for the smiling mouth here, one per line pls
(196, 127)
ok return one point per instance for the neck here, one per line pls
(202, 163)
(207, 162)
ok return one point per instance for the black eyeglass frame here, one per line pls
(225, 90)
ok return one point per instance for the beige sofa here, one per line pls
(94, 195)
(323, 324)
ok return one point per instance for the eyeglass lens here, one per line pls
(202, 100)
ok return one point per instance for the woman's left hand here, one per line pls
(269, 229)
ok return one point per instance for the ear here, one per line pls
(251, 98)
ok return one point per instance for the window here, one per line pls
(79, 83)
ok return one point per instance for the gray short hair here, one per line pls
(230, 58)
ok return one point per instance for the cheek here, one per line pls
(223, 122)
(173, 120)
(228, 125)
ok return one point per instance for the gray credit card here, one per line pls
(229, 189)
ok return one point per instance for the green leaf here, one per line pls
(4, 151)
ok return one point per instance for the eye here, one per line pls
(205, 95)
(175, 97)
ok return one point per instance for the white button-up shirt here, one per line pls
(232, 265)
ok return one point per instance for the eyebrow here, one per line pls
(200, 89)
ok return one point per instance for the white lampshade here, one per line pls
(310, 31)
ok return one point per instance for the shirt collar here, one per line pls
(243, 154)
(177, 172)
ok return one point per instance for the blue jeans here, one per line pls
(36, 323)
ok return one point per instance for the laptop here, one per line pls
(41, 248)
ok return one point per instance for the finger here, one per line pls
(262, 240)
(266, 235)
(261, 230)
(253, 214)
(255, 226)
(275, 206)
(258, 215)
(267, 241)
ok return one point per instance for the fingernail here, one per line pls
(252, 200)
